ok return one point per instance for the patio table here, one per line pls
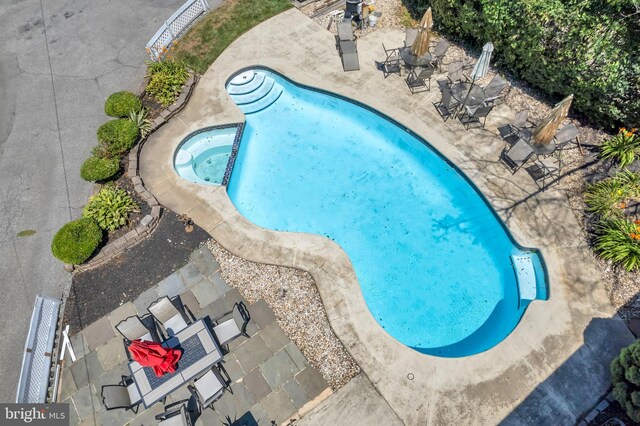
(468, 94)
(412, 60)
(200, 351)
(538, 149)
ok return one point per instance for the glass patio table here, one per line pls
(412, 60)
(468, 94)
(526, 134)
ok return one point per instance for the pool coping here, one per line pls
(496, 383)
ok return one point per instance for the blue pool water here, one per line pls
(433, 261)
(202, 157)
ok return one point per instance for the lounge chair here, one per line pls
(349, 55)
(175, 414)
(543, 169)
(495, 87)
(566, 135)
(447, 106)
(209, 388)
(235, 326)
(345, 31)
(438, 53)
(474, 116)
(124, 395)
(509, 132)
(420, 81)
(410, 36)
(517, 155)
(171, 313)
(134, 328)
(391, 65)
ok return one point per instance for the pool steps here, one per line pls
(253, 91)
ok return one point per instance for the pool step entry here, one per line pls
(529, 276)
(253, 91)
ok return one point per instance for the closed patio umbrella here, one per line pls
(152, 354)
(546, 130)
(421, 45)
(481, 68)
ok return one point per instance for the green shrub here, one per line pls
(625, 375)
(110, 207)
(120, 104)
(622, 148)
(142, 122)
(619, 240)
(166, 79)
(585, 47)
(118, 135)
(98, 168)
(76, 241)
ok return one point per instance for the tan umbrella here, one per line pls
(421, 44)
(546, 130)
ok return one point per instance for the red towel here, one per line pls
(152, 354)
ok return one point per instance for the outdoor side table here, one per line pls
(468, 94)
(200, 351)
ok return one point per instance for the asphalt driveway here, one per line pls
(60, 59)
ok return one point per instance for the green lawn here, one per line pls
(209, 37)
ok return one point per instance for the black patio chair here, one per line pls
(454, 74)
(420, 80)
(172, 314)
(509, 132)
(517, 155)
(410, 36)
(391, 64)
(493, 90)
(124, 395)
(474, 116)
(138, 328)
(543, 169)
(447, 106)
(439, 52)
(234, 324)
(176, 414)
(566, 135)
(210, 387)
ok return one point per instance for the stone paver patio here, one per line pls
(271, 379)
(552, 366)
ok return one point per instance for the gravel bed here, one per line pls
(294, 298)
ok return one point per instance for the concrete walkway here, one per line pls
(60, 61)
(552, 368)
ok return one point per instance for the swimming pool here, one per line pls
(437, 268)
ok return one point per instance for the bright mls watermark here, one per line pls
(34, 414)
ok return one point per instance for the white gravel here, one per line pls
(294, 298)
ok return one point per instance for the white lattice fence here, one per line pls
(173, 27)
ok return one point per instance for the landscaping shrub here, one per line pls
(142, 122)
(98, 168)
(619, 240)
(120, 104)
(166, 79)
(76, 241)
(585, 47)
(622, 148)
(118, 135)
(608, 198)
(625, 375)
(110, 207)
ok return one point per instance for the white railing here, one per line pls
(174, 27)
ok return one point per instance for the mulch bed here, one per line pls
(97, 292)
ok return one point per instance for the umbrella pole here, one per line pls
(464, 103)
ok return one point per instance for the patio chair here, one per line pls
(454, 74)
(345, 31)
(420, 81)
(209, 388)
(474, 116)
(175, 414)
(410, 36)
(543, 169)
(515, 156)
(349, 55)
(447, 106)
(566, 135)
(171, 313)
(509, 132)
(233, 327)
(391, 65)
(134, 328)
(438, 53)
(124, 395)
(495, 87)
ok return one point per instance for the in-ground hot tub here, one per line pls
(203, 156)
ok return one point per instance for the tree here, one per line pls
(625, 375)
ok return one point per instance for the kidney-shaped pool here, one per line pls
(437, 268)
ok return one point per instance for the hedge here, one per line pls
(585, 47)
(625, 375)
(98, 169)
(120, 104)
(76, 241)
(118, 135)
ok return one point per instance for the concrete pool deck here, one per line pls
(555, 363)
